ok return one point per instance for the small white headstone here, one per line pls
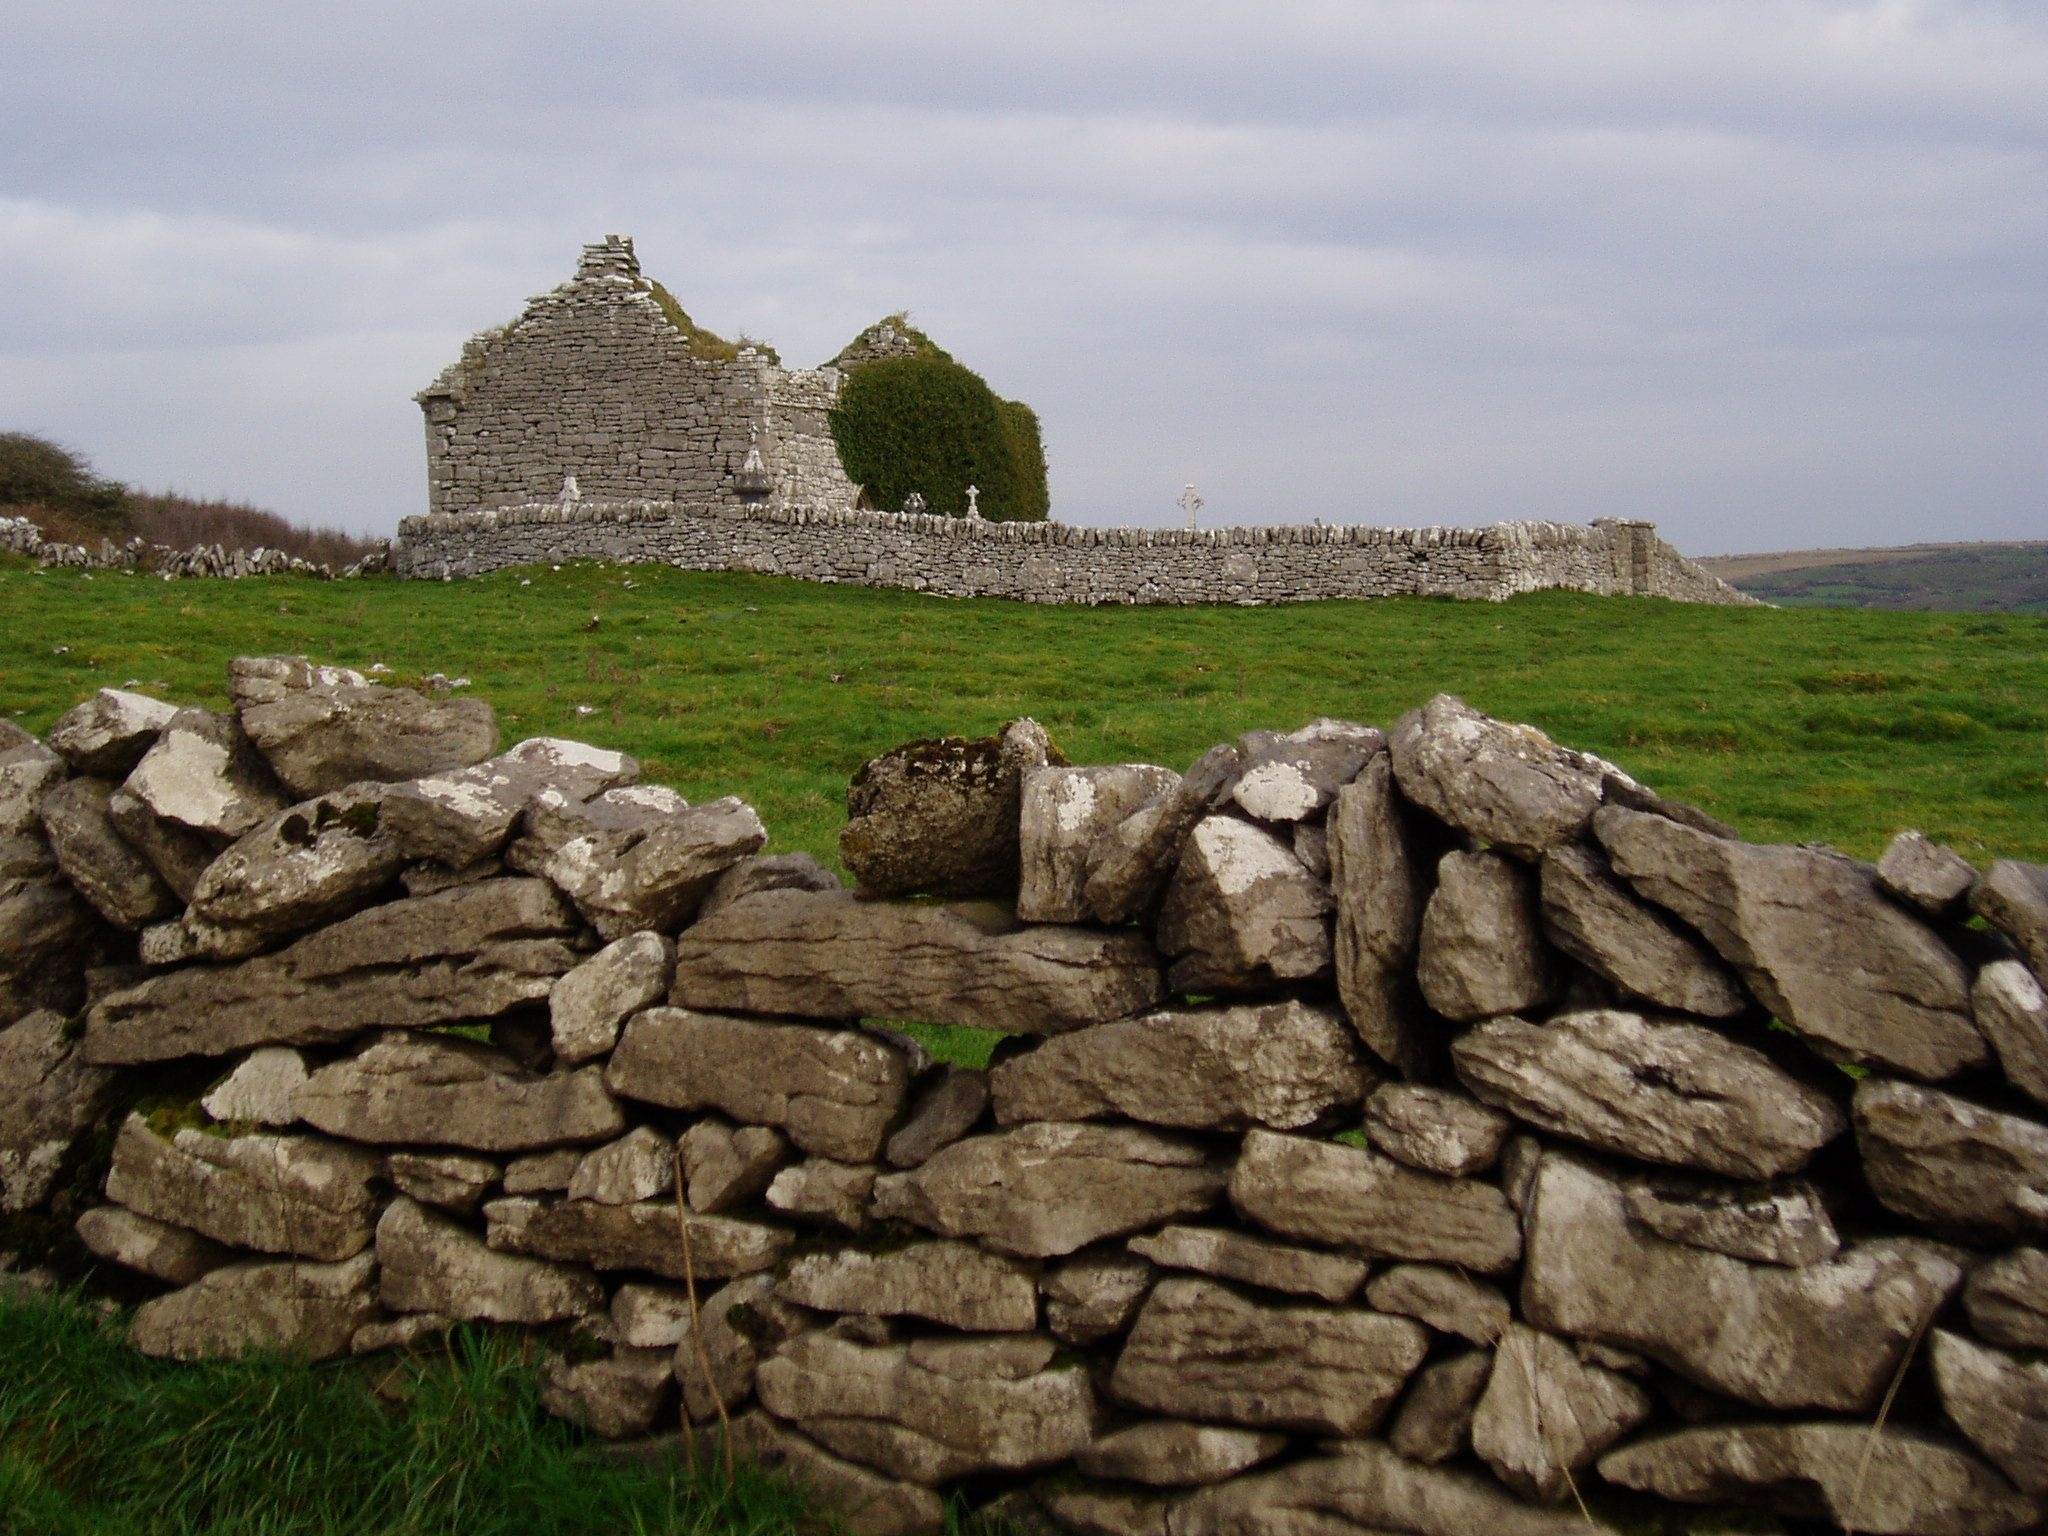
(1191, 503)
(973, 495)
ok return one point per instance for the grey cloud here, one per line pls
(1769, 271)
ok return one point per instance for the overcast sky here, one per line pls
(1771, 273)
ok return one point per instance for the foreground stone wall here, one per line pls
(1057, 563)
(1429, 1131)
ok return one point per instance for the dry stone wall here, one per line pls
(1058, 563)
(1427, 1131)
(19, 535)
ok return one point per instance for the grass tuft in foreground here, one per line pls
(95, 1440)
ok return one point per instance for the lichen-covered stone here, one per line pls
(470, 953)
(1546, 1414)
(301, 1195)
(589, 1006)
(945, 1107)
(1434, 1421)
(1438, 1130)
(638, 1166)
(1482, 949)
(1600, 922)
(941, 817)
(50, 1100)
(148, 1246)
(310, 1310)
(2013, 898)
(726, 1165)
(204, 776)
(1064, 815)
(464, 815)
(1448, 1300)
(1290, 777)
(634, 859)
(1935, 879)
(823, 1192)
(1172, 1453)
(1242, 912)
(427, 1263)
(107, 734)
(450, 1181)
(1511, 786)
(1367, 1487)
(648, 1236)
(315, 862)
(1094, 1294)
(261, 1089)
(2012, 1011)
(1128, 872)
(616, 1397)
(328, 734)
(1379, 879)
(122, 885)
(2007, 1299)
(2000, 1403)
(934, 1410)
(1785, 1223)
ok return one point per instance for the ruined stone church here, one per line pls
(605, 379)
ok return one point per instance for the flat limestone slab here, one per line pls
(824, 955)
(641, 1236)
(416, 1088)
(1284, 1065)
(1848, 1474)
(301, 1195)
(1047, 1188)
(1820, 944)
(464, 954)
(1202, 1349)
(1349, 1198)
(1826, 1335)
(835, 1091)
(312, 1310)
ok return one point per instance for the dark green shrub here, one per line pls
(925, 424)
(35, 472)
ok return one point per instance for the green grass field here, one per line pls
(1838, 726)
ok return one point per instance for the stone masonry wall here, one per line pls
(1057, 563)
(592, 380)
(1428, 1131)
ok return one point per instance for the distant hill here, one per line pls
(1983, 578)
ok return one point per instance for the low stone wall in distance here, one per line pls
(1057, 563)
(1431, 1131)
(21, 536)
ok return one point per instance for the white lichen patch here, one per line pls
(1239, 855)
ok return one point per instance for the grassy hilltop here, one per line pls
(1837, 726)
